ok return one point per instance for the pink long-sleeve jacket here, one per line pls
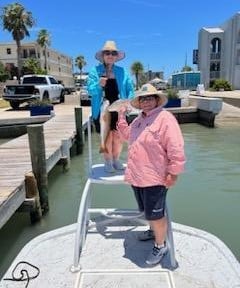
(155, 147)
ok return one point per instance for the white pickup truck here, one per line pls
(32, 87)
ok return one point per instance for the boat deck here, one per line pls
(113, 257)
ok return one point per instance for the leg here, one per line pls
(117, 145)
(109, 145)
(159, 228)
(117, 149)
(108, 157)
(154, 207)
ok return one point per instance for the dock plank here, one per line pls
(16, 160)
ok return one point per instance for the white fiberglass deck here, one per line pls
(113, 257)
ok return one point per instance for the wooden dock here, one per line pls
(16, 158)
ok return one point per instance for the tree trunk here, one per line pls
(137, 81)
(45, 59)
(19, 66)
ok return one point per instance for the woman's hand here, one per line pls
(103, 81)
(171, 180)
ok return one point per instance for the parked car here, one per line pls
(161, 86)
(85, 98)
(34, 87)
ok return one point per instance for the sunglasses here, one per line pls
(146, 98)
(108, 53)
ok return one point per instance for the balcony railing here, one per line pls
(215, 56)
(214, 74)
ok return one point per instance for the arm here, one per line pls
(129, 86)
(174, 145)
(125, 83)
(93, 84)
(95, 90)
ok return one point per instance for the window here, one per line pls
(238, 57)
(32, 53)
(52, 80)
(25, 54)
(9, 51)
(238, 37)
(216, 45)
(215, 66)
(34, 80)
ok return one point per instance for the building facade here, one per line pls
(218, 53)
(186, 80)
(59, 65)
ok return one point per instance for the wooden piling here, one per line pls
(79, 130)
(38, 159)
(65, 155)
(33, 194)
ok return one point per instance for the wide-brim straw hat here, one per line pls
(147, 90)
(109, 46)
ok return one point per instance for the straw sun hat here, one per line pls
(109, 46)
(147, 90)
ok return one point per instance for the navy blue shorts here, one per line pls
(151, 200)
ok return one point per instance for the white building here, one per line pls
(59, 65)
(218, 54)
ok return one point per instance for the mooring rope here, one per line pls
(24, 273)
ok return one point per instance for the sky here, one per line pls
(161, 34)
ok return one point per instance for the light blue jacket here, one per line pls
(124, 83)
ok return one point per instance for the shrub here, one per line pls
(38, 102)
(221, 84)
(172, 93)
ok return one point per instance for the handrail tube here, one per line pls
(89, 146)
(170, 240)
(82, 211)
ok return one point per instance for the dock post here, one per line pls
(33, 193)
(79, 129)
(38, 159)
(65, 154)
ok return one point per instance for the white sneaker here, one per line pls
(156, 255)
(118, 165)
(108, 167)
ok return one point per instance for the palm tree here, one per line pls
(17, 20)
(186, 68)
(44, 41)
(137, 68)
(80, 63)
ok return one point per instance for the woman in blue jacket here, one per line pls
(111, 82)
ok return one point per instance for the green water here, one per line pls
(207, 195)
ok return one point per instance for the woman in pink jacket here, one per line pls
(155, 159)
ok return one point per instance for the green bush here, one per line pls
(221, 84)
(172, 93)
(4, 74)
(38, 102)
